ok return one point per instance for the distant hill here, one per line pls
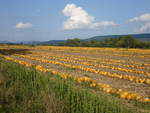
(29, 42)
(52, 42)
(5, 42)
(143, 37)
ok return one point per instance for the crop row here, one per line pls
(101, 51)
(89, 63)
(137, 65)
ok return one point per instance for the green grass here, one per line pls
(24, 90)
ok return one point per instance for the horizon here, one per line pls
(61, 20)
(71, 38)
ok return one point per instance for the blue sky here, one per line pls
(24, 20)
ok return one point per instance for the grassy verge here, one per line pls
(25, 90)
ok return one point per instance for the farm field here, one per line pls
(124, 73)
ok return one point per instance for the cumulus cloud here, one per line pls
(80, 19)
(22, 25)
(145, 28)
(103, 24)
(142, 18)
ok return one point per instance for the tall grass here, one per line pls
(25, 90)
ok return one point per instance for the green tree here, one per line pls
(129, 41)
(73, 42)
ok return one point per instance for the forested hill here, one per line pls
(143, 37)
(120, 42)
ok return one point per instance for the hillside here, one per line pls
(143, 37)
(52, 42)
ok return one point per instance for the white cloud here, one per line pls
(142, 18)
(145, 28)
(22, 25)
(104, 24)
(80, 19)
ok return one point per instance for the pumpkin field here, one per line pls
(117, 72)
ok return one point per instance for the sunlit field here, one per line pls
(121, 74)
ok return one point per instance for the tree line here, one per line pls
(121, 42)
